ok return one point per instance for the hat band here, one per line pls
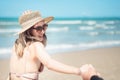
(30, 22)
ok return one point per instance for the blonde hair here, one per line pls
(23, 39)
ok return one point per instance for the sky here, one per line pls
(62, 8)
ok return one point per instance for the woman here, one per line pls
(29, 55)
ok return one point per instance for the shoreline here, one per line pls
(7, 55)
(105, 60)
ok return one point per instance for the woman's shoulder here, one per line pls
(35, 47)
(36, 44)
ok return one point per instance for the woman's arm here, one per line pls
(87, 71)
(51, 63)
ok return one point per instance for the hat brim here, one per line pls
(33, 22)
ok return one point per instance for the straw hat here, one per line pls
(30, 18)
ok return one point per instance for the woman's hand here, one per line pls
(87, 71)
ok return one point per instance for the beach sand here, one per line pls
(105, 60)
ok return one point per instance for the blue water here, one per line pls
(67, 34)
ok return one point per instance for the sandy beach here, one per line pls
(105, 60)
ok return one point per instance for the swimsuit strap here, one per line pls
(24, 75)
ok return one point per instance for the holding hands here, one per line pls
(88, 72)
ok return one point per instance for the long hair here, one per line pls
(24, 38)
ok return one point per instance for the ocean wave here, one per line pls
(86, 28)
(104, 26)
(58, 29)
(51, 29)
(93, 33)
(90, 22)
(109, 22)
(96, 44)
(113, 32)
(69, 47)
(100, 44)
(8, 30)
(96, 27)
(5, 50)
(9, 23)
(67, 22)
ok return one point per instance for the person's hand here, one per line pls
(87, 71)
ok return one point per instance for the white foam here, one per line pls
(5, 50)
(67, 22)
(109, 22)
(8, 23)
(99, 44)
(82, 45)
(68, 47)
(8, 30)
(93, 33)
(86, 28)
(57, 29)
(103, 26)
(90, 22)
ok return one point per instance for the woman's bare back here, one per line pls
(28, 63)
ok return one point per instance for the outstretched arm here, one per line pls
(87, 72)
(51, 63)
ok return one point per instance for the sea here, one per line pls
(66, 34)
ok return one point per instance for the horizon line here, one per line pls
(68, 18)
